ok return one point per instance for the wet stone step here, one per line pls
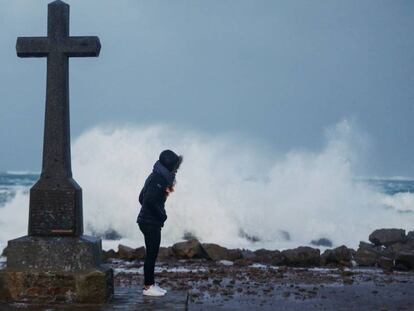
(126, 298)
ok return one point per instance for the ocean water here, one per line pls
(229, 191)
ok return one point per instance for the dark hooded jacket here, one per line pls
(153, 195)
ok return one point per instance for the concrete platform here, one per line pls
(126, 298)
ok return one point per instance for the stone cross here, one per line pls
(56, 199)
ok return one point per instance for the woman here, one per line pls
(159, 184)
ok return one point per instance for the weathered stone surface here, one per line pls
(387, 237)
(410, 236)
(55, 208)
(128, 253)
(108, 255)
(92, 286)
(398, 247)
(274, 257)
(188, 249)
(385, 263)
(341, 255)
(302, 256)
(405, 259)
(368, 254)
(165, 253)
(95, 286)
(54, 253)
(4, 253)
(216, 252)
(248, 254)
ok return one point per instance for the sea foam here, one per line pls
(228, 192)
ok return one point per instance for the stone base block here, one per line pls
(54, 253)
(92, 286)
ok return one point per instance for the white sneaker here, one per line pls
(160, 288)
(153, 291)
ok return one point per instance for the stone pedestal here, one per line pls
(56, 269)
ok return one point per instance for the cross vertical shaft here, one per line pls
(56, 146)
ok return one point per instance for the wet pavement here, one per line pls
(197, 285)
(126, 298)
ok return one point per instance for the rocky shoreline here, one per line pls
(376, 276)
(389, 249)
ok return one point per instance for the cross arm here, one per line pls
(82, 46)
(32, 46)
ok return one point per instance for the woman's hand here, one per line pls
(169, 190)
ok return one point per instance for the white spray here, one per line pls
(225, 192)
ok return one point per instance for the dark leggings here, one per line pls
(152, 235)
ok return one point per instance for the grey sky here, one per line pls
(277, 71)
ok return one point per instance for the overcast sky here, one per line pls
(274, 71)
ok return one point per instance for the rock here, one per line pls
(165, 253)
(216, 252)
(341, 255)
(410, 236)
(368, 254)
(302, 256)
(4, 253)
(405, 259)
(188, 249)
(129, 253)
(106, 255)
(248, 254)
(322, 242)
(243, 262)
(387, 237)
(274, 258)
(385, 263)
(398, 247)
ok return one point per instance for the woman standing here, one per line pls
(159, 184)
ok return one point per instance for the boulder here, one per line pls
(341, 255)
(368, 254)
(405, 260)
(216, 252)
(4, 253)
(385, 263)
(398, 247)
(302, 256)
(129, 253)
(265, 256)
(248, 254)
(188, 249)
(165, 253)
(387, 237)
(110, 254)
(410, 236)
